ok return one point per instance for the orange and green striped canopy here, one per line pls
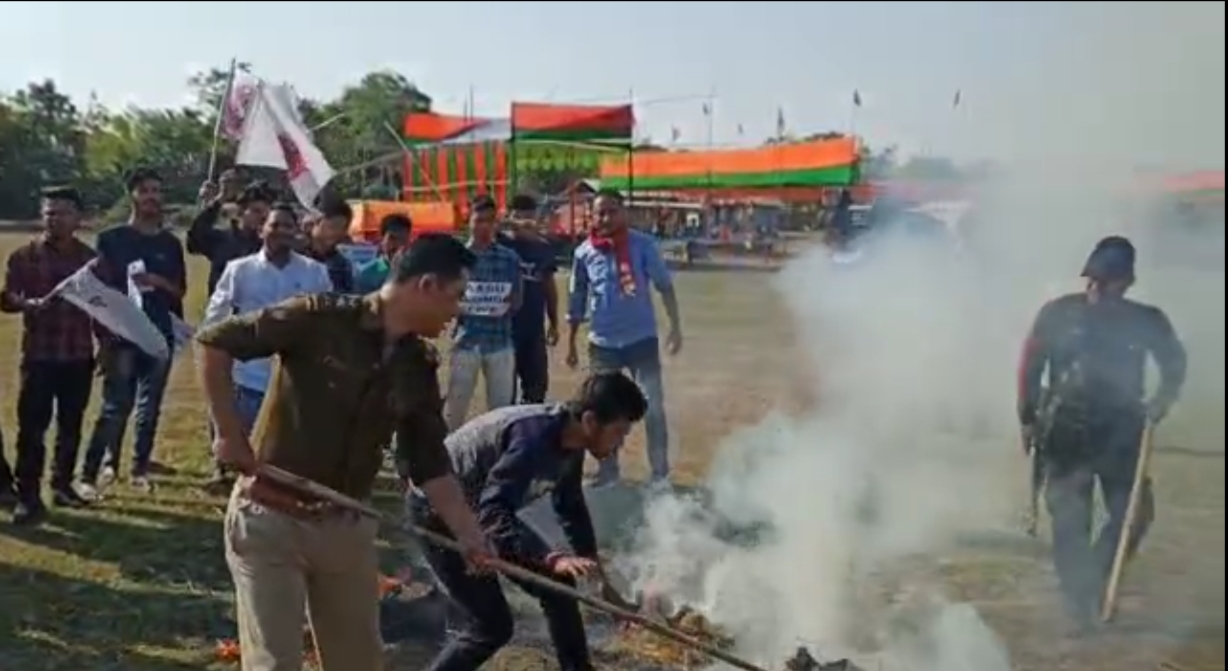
(806, 164)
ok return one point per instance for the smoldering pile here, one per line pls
(802, 660)
(649, 649)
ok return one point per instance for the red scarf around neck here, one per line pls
(617, 242)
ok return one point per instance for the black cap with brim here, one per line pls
(1112, 259)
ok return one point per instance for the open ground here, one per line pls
(139, 583)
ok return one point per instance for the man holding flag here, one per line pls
(239, 237)
(57, 354)
(147, 260)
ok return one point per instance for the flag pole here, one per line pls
(856, 105)
(956, 103)
(217, 124)
(710, 114)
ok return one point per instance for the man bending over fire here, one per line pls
(505, 460)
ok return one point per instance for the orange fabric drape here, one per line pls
(786, 157)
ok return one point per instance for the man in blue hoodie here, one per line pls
(505, 460)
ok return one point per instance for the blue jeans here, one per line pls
(131, 378)
(642, 360)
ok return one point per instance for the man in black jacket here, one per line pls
(240, 236)
(325, 232)
(505, 460)
(1089, 426)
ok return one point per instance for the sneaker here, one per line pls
(67, 497)
(142, 484)
(106, 478)
(87, 492)
(29, 513)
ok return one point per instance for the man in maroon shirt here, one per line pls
(57, 354)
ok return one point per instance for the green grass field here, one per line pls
(139, 583)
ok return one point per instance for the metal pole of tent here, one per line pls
(513, 176)
(631, 150)
(710, 113)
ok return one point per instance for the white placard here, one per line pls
(486, 299)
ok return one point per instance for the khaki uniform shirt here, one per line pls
(338, 391)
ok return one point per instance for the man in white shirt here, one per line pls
(257, 281)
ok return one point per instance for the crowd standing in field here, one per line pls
(260, 254)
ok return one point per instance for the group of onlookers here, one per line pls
(260, 254)
(62, 348)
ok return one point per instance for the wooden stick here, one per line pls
(318, 491)
(511, 570)
(1146, 447)
(514, 571)
(217, 124)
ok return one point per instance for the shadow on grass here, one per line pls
(53, 623)
(149, 545)
(163, 613)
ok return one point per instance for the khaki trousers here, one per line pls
(279, 563)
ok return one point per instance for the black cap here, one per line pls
(1112, 259)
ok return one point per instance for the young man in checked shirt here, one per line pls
(482, 340)
(57, 355)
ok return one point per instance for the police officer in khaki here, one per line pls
(349, 372)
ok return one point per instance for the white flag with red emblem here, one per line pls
(274, 136)
(240, 97)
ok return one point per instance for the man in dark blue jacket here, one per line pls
(505, 460)
(535, 327)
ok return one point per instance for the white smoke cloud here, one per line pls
(914, 443)
(885, 471)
